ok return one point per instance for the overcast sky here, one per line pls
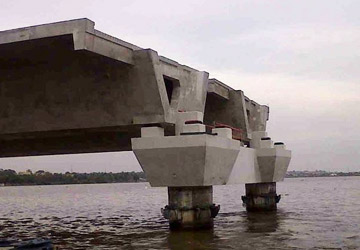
(300, 57)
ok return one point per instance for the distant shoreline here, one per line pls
(318, 173)
(64, 184)
(292, 177)
(10, 177)
(142, 181)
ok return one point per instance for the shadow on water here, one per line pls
(314, 216)
(129, 233)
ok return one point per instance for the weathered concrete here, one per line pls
(219, 89)
(190, 207)
(257, 114)
(80, 81)
(261, 197)
(231, 107)
(226, 106)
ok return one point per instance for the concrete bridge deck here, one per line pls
(66, 87)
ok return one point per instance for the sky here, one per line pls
(300, 57)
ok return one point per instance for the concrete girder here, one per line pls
(84, 35)
(193, 85)
(79, 73)
(226, 106)
(79, 80)
(257, 115)
(218, 89)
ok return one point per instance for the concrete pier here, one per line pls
(261, 197)
(190, 207)
(189, 164)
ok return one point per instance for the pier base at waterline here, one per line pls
(261, 197)
(190, 207)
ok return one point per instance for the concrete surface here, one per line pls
(187, 160)
(261, 197)
(82, 83)
(66, 81)
(66, 87)
(189, 207)
(263, 163)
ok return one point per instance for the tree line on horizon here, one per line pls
(9, 177)
(318, 173)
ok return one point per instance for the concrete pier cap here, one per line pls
(264, 161)
(193, 157)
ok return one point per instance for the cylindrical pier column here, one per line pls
(261, 197)
(190, 207)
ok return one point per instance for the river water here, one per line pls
(314, 213)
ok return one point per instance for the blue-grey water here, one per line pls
(314, 213)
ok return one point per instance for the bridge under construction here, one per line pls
(67, 88)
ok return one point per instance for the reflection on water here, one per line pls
(203, 239)
(266, 222)
(315, 213)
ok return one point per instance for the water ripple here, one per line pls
(315, 213)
